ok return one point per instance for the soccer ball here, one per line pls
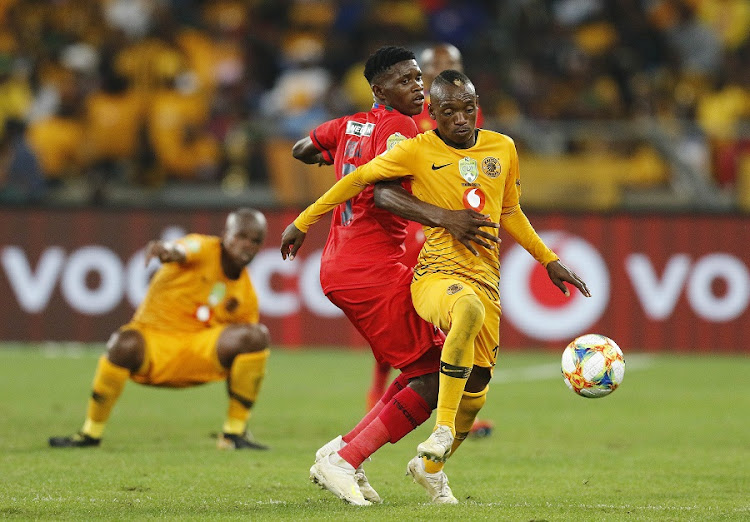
(593, 365)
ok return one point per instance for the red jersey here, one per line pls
(364, 242)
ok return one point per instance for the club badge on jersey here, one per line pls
(393, 140)
(491, 167)
(469, 169)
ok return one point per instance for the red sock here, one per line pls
(398, 384)
(402, 414)
(365, 444)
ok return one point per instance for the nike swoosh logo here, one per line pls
(438, 167)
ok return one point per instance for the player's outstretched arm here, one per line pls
(559, 273)
(165, 251)
(306, 152)
(465, 225)
(291, 241)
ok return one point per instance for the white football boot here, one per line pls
(435, 484)
(332, 446)
(367, 490)
(337, 476)
(437, 447)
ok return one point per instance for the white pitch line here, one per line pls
(542, 372)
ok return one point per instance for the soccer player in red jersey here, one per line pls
(362, 274)
(432, 61)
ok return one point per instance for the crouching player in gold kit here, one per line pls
(198, 323)
(456, 166)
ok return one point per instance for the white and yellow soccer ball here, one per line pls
(593, 365)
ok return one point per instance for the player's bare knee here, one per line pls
(244, 338)
(478, 380)
(126, 348)
(427, 387)
(253, 338)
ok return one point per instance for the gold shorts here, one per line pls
(178, 359)
(434, 296)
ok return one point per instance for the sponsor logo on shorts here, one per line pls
(454, 288)
(491, 166)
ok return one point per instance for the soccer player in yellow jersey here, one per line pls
(198, 323)
(456, 166)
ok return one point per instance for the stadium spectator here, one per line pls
(115, 120)
(21, 178)
(373, 289)
(59, 140)
(178, 121)
(458, 167)
(198, 323)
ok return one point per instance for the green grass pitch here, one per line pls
(673, 443)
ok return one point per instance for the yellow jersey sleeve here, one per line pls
(390, 165)
(196, 248)
(515, 222)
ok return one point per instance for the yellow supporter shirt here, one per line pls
(194, 295)
(484, 177)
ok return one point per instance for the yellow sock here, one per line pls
(432, 467)
(109, 381)
(471, 403)
(244, 382)
(468, 408)
(457, 357)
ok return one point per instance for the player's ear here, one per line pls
(377, 91)
(431, 111)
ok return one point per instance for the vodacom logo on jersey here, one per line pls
(536, 307)
(474, 199)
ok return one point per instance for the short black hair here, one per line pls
(385, 57)
(451, 77)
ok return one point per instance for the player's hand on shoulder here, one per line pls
(559, 274)
(291, 241)
(468, 226)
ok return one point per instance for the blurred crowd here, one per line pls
(157, 92)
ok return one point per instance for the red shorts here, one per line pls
(386, 318)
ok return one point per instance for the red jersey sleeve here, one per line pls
(325, 138)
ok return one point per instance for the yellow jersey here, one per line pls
(196, 294)
(484, 177)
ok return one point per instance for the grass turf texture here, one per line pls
(673, 443)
